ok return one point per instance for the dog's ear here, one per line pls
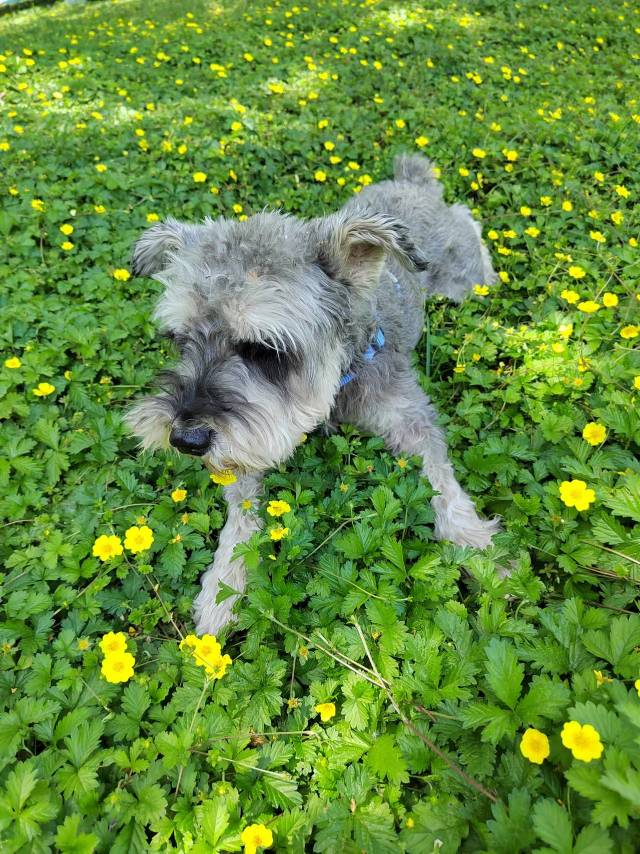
(151, 248)
(352, 247)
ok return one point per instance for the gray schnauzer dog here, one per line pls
(284, 324)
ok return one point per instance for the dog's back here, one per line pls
(447, 236)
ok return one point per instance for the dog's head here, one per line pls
(266, 315)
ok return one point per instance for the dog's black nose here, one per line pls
(191, 440)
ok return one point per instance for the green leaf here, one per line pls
(504, 673)
(281, 793)
(213, 818)
(386, 761)
(552, 824)
(69, 839)
(625, 501)
(593, 840)
(510, 829)
(545, 698)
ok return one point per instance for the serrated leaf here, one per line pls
(553, 825)
(281, 793)
(386, 761)
(504, 672)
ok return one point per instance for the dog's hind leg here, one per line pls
(403, 414)
(210, 616)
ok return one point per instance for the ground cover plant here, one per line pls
(381, 692)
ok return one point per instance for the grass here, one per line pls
(435, 665)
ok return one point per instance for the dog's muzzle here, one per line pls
(192, 440)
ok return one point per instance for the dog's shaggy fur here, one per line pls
(271, 313)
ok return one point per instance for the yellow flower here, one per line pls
(525, 211)
(256, 836)
(152, 217)
(598, 236)
(610, 300)
(400, 123)
(248, 56)
(66, 229)
(583, 741)
(636, 685)
(207, 653)
(106, 547)
(636, 382)
(479, 153)
(534, 746)
(630, 331)
(189, 642)
(100, 167)
(570, 296)
(600, 678)
(37, 205)
(217, 667)
(510, 154)
(43, 389)
(99, 209)
(138, 539)
(567, 205)
(532, 231)
(118, 667)
(565, 330)
(576, 272)
(278, 508)
(121, 274)
(545, 201)
(621, 190)
(278, 533)
(421, 141)
(480, 290)
(588, 306)
(320, 176)
(178, 495)
(617, 217)
(199, 177)
(67, 246)
(224, 478)
(574, 493)
(246, 504)
(113, 643)
(13, 362)
(83, 644)
(326, 711)
(594, 433)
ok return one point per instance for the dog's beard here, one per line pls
(266, 429)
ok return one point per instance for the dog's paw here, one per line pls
(210, 617)
(458, 522)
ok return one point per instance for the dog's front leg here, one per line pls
(241, 523)
(403, 414)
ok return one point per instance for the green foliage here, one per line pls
(436, 662)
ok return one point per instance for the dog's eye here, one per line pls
(253, 351)
(273, 364)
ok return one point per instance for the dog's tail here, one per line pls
(413, 168)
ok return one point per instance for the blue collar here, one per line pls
(377, 343)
